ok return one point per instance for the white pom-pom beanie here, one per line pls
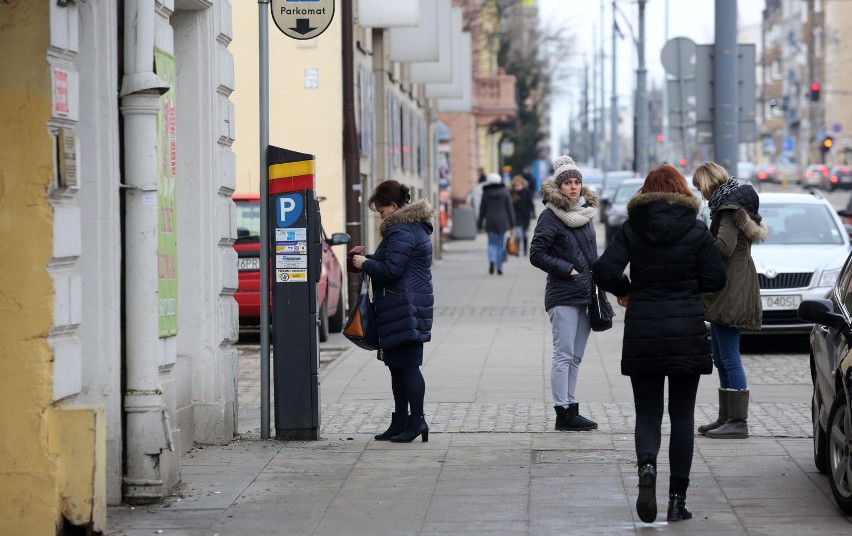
(564, 168)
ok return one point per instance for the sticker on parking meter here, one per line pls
(288, 209)
(293, 248)
(291, 261)
(291, 276)
(294, 234)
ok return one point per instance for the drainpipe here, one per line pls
(147, 431)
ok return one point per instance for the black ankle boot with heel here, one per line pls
(397, 426)
(646, 503)
(416, 426)
(677, 508)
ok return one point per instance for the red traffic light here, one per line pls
(661, 138)
(814, 86)
(683, 161)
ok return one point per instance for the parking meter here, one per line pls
(294, 267)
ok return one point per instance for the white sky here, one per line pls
(687, 18)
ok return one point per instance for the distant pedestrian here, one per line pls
(736, 225)
(482, 177)
(522, 205)
(564, 246)
(672, 261)
(401, 275)
(496, 217)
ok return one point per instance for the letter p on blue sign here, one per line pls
(288, 209)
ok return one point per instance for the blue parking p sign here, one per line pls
(288, 209)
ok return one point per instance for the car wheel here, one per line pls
(323, 322)
(335, 322)
(820, 456)
(838, 453)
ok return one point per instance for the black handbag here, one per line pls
(600, 311)
(361, 327)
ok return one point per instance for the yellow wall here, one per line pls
(305, 120)
(29, 482)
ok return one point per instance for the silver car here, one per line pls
(800, 258)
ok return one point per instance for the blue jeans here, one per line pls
(725, 341)
(495, 249)
(571, 328)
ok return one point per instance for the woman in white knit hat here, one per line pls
(564, 245)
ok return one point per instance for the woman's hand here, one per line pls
(358, 260)
(623, 300)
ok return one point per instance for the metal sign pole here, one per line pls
(263, 91)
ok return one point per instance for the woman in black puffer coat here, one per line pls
(401, 273)
(672, 261)
(564, 246)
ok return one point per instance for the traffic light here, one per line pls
(826, 144)
(660, 138)
(815, 87)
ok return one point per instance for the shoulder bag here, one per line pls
(600, 311)
(361, 327)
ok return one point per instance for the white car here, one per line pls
(801, 257)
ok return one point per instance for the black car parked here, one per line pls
(831, 372)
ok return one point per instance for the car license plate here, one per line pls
(248, 263)
(774, 303)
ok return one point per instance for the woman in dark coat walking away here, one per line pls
(496, 217)
(672, 261)
(564, 246)
(401, 272)
(736, 225)
(522, 205)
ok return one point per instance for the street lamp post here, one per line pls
(641, 129)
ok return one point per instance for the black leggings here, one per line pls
(648, 399)
(409, 388)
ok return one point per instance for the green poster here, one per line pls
(166, 199)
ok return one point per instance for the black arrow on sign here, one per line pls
(303, 26)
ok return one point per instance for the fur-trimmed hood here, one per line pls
(689, 201)
(552, 195)
(417, 212)
(662, 217)
(755, 231)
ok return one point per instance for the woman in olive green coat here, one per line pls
(736, 225)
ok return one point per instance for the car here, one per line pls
(330, 307)
(838, 177)
(616, 214)
(831, 375)
(766, 173)
(814, 176)
(800, 258)
(593, 178)
(611, 181)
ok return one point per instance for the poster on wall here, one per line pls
(166, 199)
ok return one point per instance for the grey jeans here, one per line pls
(570, 324)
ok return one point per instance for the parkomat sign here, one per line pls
(302, 19)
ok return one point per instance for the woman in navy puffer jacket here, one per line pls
(401, 270)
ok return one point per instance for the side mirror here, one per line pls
(338, 239)
(242, 232)
(821, 311)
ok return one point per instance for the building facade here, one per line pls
(117, 283)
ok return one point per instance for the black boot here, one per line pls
(561, 418)
(573, 421)
(677, 508)
(397, 425)
(723, 414)
(526, 245)
(415, 426)
(490, 267)
(646, 503)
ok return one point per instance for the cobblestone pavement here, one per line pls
(766, 419)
